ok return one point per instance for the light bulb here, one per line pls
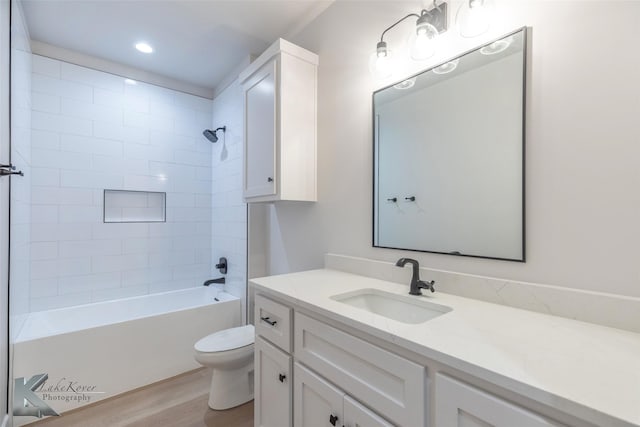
(423, 42)
(381, 62)
(474, 17)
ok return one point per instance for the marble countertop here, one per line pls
(586, 370)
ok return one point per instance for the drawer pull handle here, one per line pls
(269, 321)
(282, 377)
(333, 419)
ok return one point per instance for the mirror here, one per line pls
(449, 156)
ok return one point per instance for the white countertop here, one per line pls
(586, 370)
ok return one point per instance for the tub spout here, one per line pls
(210, 281)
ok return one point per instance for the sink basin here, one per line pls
(405, 309)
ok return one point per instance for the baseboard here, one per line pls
(616, 311)
(5, 421)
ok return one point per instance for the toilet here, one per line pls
(230, 353)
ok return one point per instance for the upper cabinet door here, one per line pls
(280, 95)
(317, 403)
(461, 405)
(260, 132)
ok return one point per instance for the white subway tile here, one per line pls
(45, 139)
(48, 177)
(59, 301)
(61, 196)
(58, 159)
(43, 232)
(87, 144)
(119, 230)
(60, 123)
(118, 293)
(73, 249)
(45, 66)
(65, 89)
(113, 263)
(44, 214)
(45, 103)
(193, 102)
(79, 214)
(91, 111)
(111, 131)
(43, 288)
(44, 250)
(87, 179)
(91, 77)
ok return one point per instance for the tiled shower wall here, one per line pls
(93, 131)
(229, 219)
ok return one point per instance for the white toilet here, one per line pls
(230, 353)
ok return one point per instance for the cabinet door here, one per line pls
(356, 415)
(316, 403)
(273, 404)
(461, 405)
(260, 132)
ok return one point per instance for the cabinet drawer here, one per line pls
(392, 385)
(461, 405)
(273, 322)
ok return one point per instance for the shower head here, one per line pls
(211, 134)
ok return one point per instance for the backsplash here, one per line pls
(615, 311)
(93, 131)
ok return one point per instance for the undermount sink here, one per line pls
(405, 309)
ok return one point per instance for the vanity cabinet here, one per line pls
(280, 102)
(320, 404)
(461, 405)
(273, 376)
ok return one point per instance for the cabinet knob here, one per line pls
(333, 419)
(282, 377)
(269, 179)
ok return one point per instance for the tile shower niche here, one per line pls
(134, 206)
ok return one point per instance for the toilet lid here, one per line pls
(227, 339)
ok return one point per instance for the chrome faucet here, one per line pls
(416, 283)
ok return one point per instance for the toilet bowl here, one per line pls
(230, 354)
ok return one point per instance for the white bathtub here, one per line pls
(116, 346)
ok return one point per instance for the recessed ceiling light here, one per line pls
(497, 46)
(406, 84)
(446, 67)
(144, 47)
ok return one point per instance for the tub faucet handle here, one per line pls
(222, 265)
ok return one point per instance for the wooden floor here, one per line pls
(177, 402)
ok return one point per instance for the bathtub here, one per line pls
(95, 351)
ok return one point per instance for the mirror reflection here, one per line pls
(449, 150)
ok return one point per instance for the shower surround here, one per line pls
(93, 131)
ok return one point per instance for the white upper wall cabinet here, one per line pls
(280, 101)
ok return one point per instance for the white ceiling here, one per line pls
(198, 42)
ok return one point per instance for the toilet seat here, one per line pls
(228, 339)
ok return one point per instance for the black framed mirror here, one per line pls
(449, 156)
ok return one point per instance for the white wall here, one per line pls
(582, 175)
(93, 131)
(229, 213)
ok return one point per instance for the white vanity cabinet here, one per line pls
(273, 376)
(280, 102)
(320, 404)
(462, 405)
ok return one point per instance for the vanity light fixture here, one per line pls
(422, 42)
(474, 17)
(447, 67)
